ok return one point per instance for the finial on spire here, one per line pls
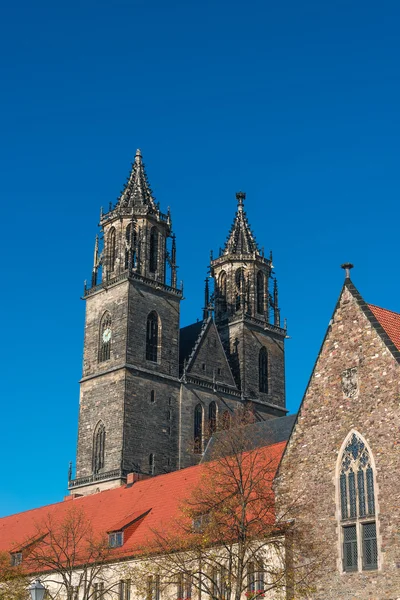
(347, 267)
(240, 197)
(138, 153)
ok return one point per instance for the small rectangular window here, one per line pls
(370, 547)
(116, 540)
(16, 559)
(153, 587)
(124, 589)
(350, 551)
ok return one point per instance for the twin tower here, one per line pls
(151, 393)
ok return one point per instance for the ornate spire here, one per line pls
(137, 190)
(240, 239)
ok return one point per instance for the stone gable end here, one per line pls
(354, 386)
(209, 360)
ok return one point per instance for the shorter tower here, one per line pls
(248, 317)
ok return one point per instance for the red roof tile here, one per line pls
(157, 499)
(390, 322)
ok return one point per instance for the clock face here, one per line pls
(106, 335)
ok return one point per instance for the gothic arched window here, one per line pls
(105, 337)
(152, 337)
(112, 249)
(130, 245)
(212, 417)
(153, 250)
(198, 429)
(222, 289)
(239, 281)
(263, 371)
(357, 506)
(260, 292)
(99, 442)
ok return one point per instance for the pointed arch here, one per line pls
(239, 282)
(105, 337)
(263, 370)
(198, 429)
(260, 292)
(130, 245)
(222, 290)
(153, 258)
(99, 443)
(356, 485)
(212, 417)
(152, 337)
(112, 249)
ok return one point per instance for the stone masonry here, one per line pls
(354, 386)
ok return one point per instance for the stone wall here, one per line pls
(309, 469)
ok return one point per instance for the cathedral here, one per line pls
(151, 393)
(152, 396)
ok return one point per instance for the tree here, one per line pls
(229, 539)
(69, 557)
(13, 582)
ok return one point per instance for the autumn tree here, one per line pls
(70, 558)
(229, 540)
(13, 582)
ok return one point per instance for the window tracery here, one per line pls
(357, 507)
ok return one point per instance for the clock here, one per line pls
(106, 335)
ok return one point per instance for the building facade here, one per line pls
(344, 454)
(152, 393)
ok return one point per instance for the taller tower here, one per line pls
(248, 317)
(130, 388)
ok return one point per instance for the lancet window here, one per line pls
(239, 281)
(212, 417)
(152, 337)
(99, 442)
(357, 507)
(112, 249)
(263, 371)
(260, 292)
(130, 245)
(153, 262)
(198, 429)
(222, 289)
(105, 338)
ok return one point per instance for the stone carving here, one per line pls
(350, 382)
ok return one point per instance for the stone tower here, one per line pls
(247, 316)
(130, 387)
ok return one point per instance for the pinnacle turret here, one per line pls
(241, 239)
(137, 190)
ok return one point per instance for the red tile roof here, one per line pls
(390, 322)
(148, 505)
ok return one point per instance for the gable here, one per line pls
(208, 359)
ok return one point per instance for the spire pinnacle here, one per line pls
(137, 190)
(240, 239)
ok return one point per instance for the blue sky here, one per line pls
(296, 103)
